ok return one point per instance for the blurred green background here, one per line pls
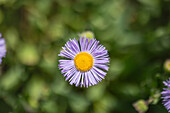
(135, 32)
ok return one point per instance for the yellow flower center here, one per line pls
(83, 61)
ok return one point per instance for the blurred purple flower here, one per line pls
(85, 62)
(166, 95)
(2, 48)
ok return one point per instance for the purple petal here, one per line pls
(104, 61)
(2, 48)
(86, 44)
(66, 55)
(73, 79)
(95, 75)
(78, 80)
(82, 44)
(101, 66)
(91, 78)
(70, 73)
(86, 80)
(90, 44)
(82, 79)
(94, 46)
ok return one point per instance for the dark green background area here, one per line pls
(135, 32)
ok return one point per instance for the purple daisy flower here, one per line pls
(2, 48)
(86, 62)
(166, 95)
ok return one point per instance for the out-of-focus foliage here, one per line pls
(141, 106)
(135, 32)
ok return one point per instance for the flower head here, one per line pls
(166, 95)
(167, 65)
(86, 62)
(87, 34)
(2, 48)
